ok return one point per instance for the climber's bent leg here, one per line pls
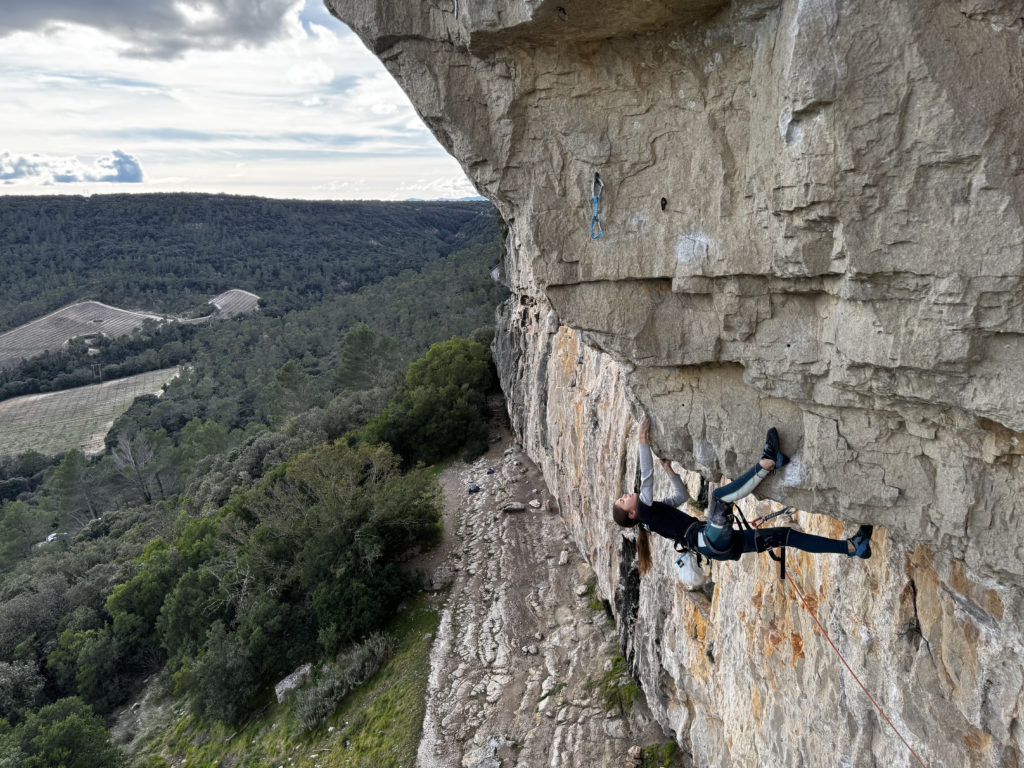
(742, 485)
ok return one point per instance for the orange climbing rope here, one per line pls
(885, 717)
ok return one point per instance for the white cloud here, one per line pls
(118, 168)
(311, 73)
(156, 29)
(447, 187)
(196, 13)
(302, 111)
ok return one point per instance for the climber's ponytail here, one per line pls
(643, 538)
(643, 550)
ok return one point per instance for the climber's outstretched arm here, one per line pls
(679, 492)
(646, 462)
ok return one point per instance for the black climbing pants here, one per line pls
(768, 538)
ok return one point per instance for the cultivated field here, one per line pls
(87, 318)
(235, 302)
(51, 331)
(55, 422)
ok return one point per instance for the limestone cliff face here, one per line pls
(813, 217)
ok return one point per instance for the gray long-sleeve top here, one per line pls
(647, 481)
(661, 517)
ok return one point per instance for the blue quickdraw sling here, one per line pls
(595, 223)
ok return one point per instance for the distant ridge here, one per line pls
(471, 199)
(90, 318)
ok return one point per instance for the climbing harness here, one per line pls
(595, 223)
(688, 544)
(762, 544)
(695, 537)
(778, 538)
(734, 550)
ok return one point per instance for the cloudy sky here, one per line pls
(273, 98)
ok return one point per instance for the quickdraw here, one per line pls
(758, 521)
(595, 223)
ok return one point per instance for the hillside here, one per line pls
(501, 614)
(279, 475)
(168, 253)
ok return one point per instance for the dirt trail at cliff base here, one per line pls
(519, 649)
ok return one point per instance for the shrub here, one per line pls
(440, 408)
(67, 734)
(20, 686)
(660, 755)
(102, 670)
(381, 645)
(29, 619)
(354, 604)
(222, 679)
(317, 702)
(11, 755)
(188, 612)
(135, 604)
(310, 553)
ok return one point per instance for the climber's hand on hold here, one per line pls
(645, 430)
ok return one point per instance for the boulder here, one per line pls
(295, 680)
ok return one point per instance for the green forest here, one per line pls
(256, 515)
(169, 253)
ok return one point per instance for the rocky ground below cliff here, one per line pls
(524, 654)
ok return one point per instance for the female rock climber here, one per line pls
(716, 539)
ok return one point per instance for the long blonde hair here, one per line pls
(643, 537)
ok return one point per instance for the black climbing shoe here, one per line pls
(719, 513)
(861, 541)
(772, 450)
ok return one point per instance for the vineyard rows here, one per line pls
(87, 318)
(51, 331)
(55, 422)
(235, 302)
